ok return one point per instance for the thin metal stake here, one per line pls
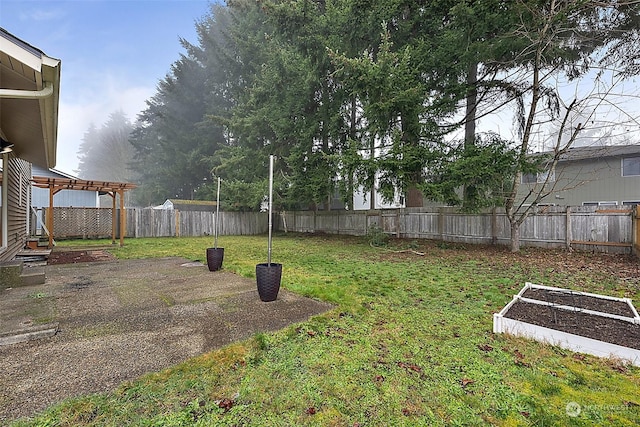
(215, 240)
(270, 206)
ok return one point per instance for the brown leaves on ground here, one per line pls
(519, 361)
(466, 381)
(624, 267)
(485, 347)
(225, 404)
(409, 367)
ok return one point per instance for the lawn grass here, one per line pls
(409, 343)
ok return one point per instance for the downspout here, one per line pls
(46, 92)
(5, 200)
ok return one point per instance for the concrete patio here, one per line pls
(93, 325)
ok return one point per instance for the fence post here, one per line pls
(568, 228)
(635, 230)
(441, 223)
(494, 225)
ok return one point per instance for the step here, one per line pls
(14, 274)
(10, 272)
(28, 334)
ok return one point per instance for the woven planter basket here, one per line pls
(214, 258)
(268, 278)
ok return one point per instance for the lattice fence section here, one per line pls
(82, 222)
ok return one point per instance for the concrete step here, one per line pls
(14, 274)
(28, 334)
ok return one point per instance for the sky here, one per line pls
(113, 53)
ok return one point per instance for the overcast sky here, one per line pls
(113, 54)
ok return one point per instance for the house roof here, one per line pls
(50, 173)
(29, 98)
(585, 153)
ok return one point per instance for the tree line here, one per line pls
(381, 95)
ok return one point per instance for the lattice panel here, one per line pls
(82, 222)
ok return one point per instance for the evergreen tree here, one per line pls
(105, 153)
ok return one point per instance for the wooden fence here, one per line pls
(169, 222)
(583, 228)
(146, 222)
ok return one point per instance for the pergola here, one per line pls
(111, 188)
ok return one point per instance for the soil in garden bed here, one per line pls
(578, 323)
(586, 302)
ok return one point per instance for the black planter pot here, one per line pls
(214, 258)
(268, 277)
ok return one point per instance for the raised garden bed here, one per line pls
(588, 323)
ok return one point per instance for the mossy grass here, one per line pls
(409, 343)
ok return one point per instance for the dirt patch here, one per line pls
(121, 319)
(71, 257)
(578, 322)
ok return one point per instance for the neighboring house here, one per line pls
(63, 198)
(591, 176)
(29, 98)
(362, 200)
(188, 205)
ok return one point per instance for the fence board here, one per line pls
(546, 228)
(591, 229)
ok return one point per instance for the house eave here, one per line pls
(29, 120)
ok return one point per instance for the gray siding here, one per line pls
(591, 180)
(18, 173)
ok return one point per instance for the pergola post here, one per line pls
(113, 217)
(49, 219)
(123, 218)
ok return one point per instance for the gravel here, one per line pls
(118, 320)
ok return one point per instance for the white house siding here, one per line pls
(362, 201)
(63, 198)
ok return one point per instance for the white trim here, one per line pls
(565, 340)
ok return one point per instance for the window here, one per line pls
(631, 166)
(538, 178)
(610, 204)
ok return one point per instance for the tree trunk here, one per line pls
(471, 101)
(414, 199)
(515, 237)
(470, 195)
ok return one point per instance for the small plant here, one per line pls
(38, 295)
(376, 236)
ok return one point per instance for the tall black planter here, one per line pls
(214, 258)
(268, 277)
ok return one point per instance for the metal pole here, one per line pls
(270, 206)
(215, 242)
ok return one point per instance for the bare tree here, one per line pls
(543, 105)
